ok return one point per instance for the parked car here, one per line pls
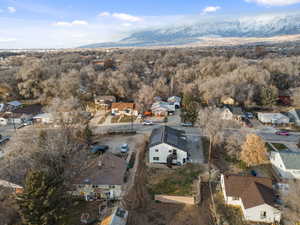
(4, 139)
(124, 148)
(249, 115)
(28, 123)
(148, 123)
(282, 133)
(99, 149)
(187, 124)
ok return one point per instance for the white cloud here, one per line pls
(11, 9)
(7, 39)
(104, 14)
(126, 17)
(69, 24)
(274, 2)
(210, 9)
(122, 16)
(126, 24)
(79, 22)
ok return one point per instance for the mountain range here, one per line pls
(261, 26)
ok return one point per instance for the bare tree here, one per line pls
(296, 96)
(144, 98)
(67, 112)
(233, 144)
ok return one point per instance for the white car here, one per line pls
(148, 123)
(124, 148)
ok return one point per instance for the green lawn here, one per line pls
(278, 146)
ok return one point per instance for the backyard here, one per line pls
(178, 181)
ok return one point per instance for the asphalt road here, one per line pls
(271, 137)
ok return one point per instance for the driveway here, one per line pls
(195, 149)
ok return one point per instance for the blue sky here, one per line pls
(70, 23)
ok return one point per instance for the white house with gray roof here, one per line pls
(168, 145)
(294, 115)
(286, 164)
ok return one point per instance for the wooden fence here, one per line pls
(175, 199)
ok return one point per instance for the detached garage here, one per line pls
(273, 118)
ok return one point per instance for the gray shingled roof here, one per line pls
(236, 110)
(291, 160)
(169, 136)
(298, 112)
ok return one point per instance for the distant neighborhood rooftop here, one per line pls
(252, 190)
(236, 110)
(169, 136)
(122, 105)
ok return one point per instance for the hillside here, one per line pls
(262, 26)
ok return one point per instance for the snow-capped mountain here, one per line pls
(251, 26)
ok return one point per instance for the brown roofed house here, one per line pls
(254, 195)
(102, 177)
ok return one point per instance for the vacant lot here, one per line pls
(180, 181)
(143, 210)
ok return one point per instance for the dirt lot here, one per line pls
(143, 210)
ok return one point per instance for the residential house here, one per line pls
(168, 145)
(175, 100)
(254, 195)
(19, 114)
(15, 187)
(162, 108)
(45, 118)
(284, 97)
(273, 118)
(15, 104)
(105, 101)
(232, 112)
(123, 108)
(118, 217)
(103, 177)
(294, 115)
(286, 164)
(3, 107)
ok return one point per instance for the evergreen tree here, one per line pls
(269, 96)
(42, 201)
(189, 111)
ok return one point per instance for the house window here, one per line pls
(112, 186)
(156, 150)
(156, 158)
(170, 151)
(235, 198)
(263, 214)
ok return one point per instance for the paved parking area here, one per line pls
(115, 141)
(195, 149)
(7, 130)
